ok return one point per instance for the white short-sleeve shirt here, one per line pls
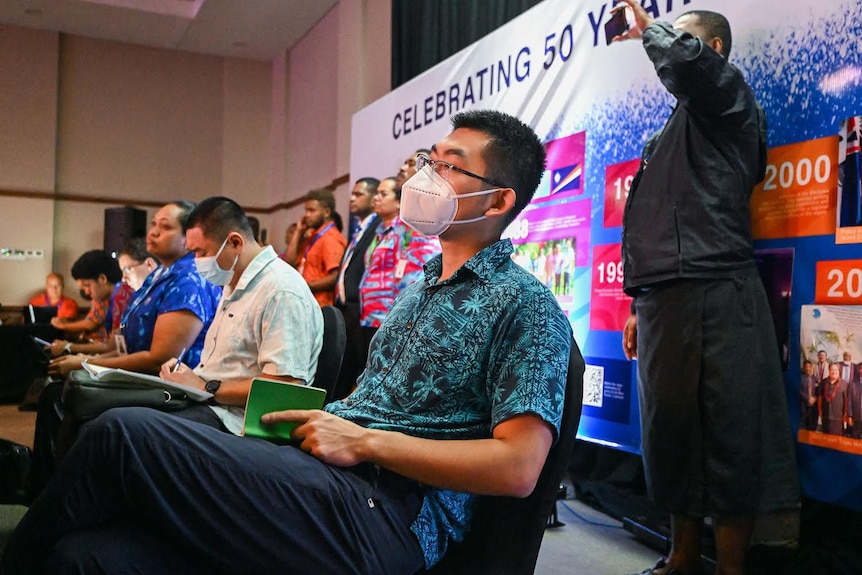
(269, 324)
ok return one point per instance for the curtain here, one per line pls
(425, 32)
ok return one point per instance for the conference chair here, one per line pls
(507, 531)
(332, 352)
(22, 361)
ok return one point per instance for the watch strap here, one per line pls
(212, 386)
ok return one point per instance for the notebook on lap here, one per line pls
(266, 396)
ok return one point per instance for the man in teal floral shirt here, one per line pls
(462, 396)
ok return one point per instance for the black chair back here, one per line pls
(21, 361)
(507, 531)
(332, 352)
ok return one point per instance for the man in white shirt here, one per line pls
(267, 323)
(349, 278)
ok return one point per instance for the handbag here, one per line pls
(85, 397)
(14, 469)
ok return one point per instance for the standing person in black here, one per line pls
(716, 440)
(349, 278)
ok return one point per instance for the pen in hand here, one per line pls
(179, 361)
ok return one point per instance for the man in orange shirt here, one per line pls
(316, 248)
(67, 308)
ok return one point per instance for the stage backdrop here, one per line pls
(594, 106)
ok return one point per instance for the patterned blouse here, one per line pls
(174, 288)
(393, 261)
(98, 314)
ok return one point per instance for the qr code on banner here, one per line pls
(594, 385)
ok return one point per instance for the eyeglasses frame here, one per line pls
(425, 160)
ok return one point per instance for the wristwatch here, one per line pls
(212, 386)
(67, 349)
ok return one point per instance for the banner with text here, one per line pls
(594, 106)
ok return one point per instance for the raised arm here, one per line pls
(693, 71)
(291, 250)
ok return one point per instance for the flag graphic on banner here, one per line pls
(564, 170)
(850, 210)
(566, 179)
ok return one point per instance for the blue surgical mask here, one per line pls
(209, 269)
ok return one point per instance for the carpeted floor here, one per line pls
(17, 425)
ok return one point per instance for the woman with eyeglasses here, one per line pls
(135, 264)
(171, 312)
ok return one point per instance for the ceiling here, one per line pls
(256, 29)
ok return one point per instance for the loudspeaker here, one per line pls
(121, 225)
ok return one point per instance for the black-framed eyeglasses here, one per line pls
(127, 270)
(443, 169)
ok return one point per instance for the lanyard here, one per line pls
(315, 238)
(370, 251)
(137, 298)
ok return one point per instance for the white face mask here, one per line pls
(429, 203)
(209, 269)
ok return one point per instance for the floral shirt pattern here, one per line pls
(393, 262)
(98, 314)
(455, 358)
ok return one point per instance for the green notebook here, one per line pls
(267, 395)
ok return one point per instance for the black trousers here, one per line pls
(143, 491)
(56, 432)
(49, 419)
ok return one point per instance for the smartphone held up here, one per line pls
(618, 24)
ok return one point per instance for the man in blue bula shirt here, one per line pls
(462, 395)
(716, 438)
